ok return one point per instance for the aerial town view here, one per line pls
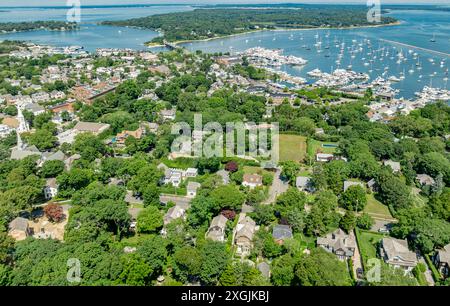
(201, 144)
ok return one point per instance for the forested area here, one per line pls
(208, 23)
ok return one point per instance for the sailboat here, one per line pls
(434, 38)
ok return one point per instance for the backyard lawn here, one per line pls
(376, 209)
(367, 243)
(315, 146)
(255, 170)
(292, 147)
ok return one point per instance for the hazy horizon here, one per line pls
(21, 3)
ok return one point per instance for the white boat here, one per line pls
(394, 79)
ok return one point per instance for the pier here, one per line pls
(415, 47)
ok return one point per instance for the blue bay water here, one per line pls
(90, 35)
(416, 30)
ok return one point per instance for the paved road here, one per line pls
(278, 187)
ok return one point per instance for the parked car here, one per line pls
(359, 273)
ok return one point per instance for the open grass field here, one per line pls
(292, 147)
(255, 170)
(376, 209)
(315, 146)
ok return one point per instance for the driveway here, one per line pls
(356, 261)
(278, 187)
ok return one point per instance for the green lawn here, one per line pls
(256, 170)
(367, 243)
(376, 209)
(292, 147)
(315, 146)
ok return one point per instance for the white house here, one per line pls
(323, 157)
(50, 189)
(252, 180)
(192, 189)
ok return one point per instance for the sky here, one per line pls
(113, 2)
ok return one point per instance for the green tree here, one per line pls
(52, 168)
(321, 268)
(149, 220)
(354, 198)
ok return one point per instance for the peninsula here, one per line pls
(203, 24)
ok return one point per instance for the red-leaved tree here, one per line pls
(229, 214)
(54, 212)
(232, 166)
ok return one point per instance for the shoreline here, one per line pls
(158, 45)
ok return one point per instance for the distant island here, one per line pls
(212, 23)
(8, 27)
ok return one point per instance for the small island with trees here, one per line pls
(218, 22)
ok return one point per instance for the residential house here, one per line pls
(36, 109)
(134, 213)
(224, 175)
(424, 180)
(132, 199)
(160, 69)
(252, 180)
(395, 166)
(92, 127)
(216, 230)
(264, 268)
(243, 235)
(304, 183)
(396, 253)
(121, 137)
(192, 189)
(323, 157)
(347, 184)
(173, 213)
(168, 114)
(442, 260)
(372, 185)
(343, 245)
(18, 229)
(50, 189)
(5, 130)
(281, 232)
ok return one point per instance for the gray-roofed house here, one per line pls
(92, 127)
(395, 166)
(303, 183)
(442, 260)
(339, 243)
(243, 235)
(348, 184)
(131, 199)
(396, 253)
(59, 155)
(192, 189)
(20, 153)
(281, 232)
(264, 268)
(134, 213)
(372, 185)
(225, 176)
(173, 213)
(18, 229)
(216, 230)
(425, 180)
